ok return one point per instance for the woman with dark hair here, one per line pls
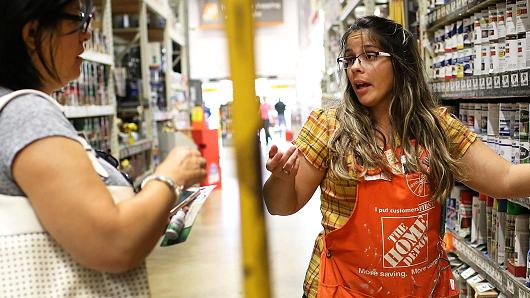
(70, 224)
(385, 158)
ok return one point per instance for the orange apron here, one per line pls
(390, 245)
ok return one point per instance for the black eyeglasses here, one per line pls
(364, 58)
(82, 18)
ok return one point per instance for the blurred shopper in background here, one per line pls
(280, 109)
(265, 119)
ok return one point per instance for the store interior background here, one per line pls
(290, 59)
(156, 75)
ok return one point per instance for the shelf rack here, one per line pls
(503, 280)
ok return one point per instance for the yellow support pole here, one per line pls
(397, 11)
(240, 26)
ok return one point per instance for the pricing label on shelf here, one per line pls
(475, 83)
(497, 82)
(476, 279)
(467, 273)
(515, 80)
(522, 293)
(506, 81)
(524, 78)
(484, 287)
(510, 286)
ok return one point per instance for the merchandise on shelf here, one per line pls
(91, 88)
(226, 124)
(128, 79)
(97, 131)
(483, 53)
(98, 41)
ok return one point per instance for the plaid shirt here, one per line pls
(338, 195)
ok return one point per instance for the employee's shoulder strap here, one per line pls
(4, 100)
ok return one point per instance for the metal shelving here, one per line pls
(506, 85)
(89, 111)
(138, 147)
(503, 280)
(453, 11)
(98, 57)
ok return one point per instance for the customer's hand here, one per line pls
(185, 165)
(283, 165)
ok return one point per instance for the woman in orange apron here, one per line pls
(403, 255)
(385, 159)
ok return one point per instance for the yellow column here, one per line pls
(397, 11)
(239, 27)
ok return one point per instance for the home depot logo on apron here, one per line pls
(390, 246)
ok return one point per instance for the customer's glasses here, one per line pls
(82, 18)
(364, 58)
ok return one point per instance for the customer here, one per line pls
(385, 159)
(61, 234)
(264, 108)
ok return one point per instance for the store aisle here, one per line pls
(208, 264)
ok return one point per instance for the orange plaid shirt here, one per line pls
(338, 195)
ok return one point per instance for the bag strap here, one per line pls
(4, 100)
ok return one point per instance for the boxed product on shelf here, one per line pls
(464, 212)
(489, 222)
(482, 290)
(91, 88)
(498, 223)
(517, 263)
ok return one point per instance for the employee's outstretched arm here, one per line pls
(485, 171)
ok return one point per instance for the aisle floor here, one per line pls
(208, 264)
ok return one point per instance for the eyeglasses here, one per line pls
(364, 58)
(82, 18)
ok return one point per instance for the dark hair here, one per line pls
(414, 112)
(17, 70)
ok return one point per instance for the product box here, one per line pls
(511, 49)
(500, 230)
(492, 23)
(483, 290)
(477, 64)
(483, 123)
(493, 119)
(485, 57)
(521, 19)
(522, 48)
(489, 207)
(467, 34)
(501, 16)
(517, 263)
(459, 34)
(501, 55)
(485, 25)
(511, 14)
(524, 145)
(494, 58)
(506, 120)
(477, 36)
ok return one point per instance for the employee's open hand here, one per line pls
(283, 165)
